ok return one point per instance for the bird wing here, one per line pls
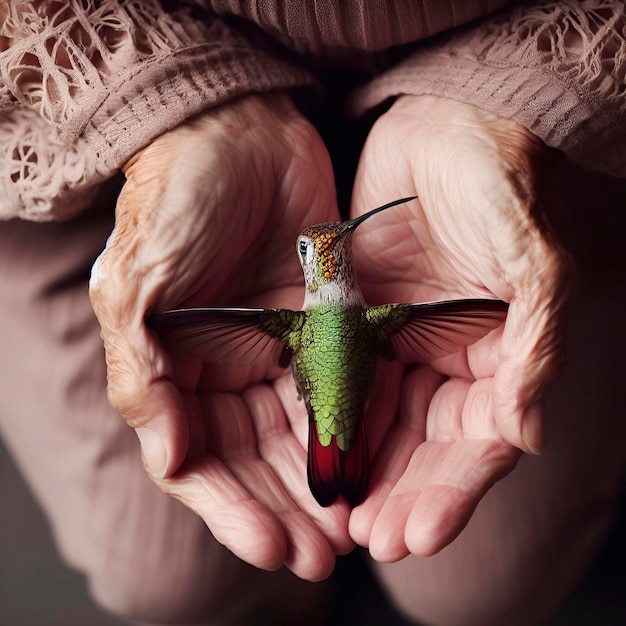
(429, 330)
(229, 335)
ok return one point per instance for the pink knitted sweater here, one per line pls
(84, 84)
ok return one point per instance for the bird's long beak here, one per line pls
(350, 225)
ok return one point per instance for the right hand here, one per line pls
(209, 216)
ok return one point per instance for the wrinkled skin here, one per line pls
(460, 424)
(209, 215)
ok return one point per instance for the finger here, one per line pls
(483, 357)
(445, 478)
(472, 459)
(437, 495)
(232, 438)
(403, 438)
(477, 419)
(278, 447)
(465, 471)
(387, 542)
(236, 519)
(294, 408)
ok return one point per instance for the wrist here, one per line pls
(237, 118)
(441, 115)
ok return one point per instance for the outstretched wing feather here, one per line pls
(430, 330)
(226, 335)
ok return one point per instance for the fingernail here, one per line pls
(533, 428)
(154, 451)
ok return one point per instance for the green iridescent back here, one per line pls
(334, 368)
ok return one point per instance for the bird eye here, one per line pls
(306, 248)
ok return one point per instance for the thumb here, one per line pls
(139, 372)
(531, 351)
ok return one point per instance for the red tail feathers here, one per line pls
(333, 472)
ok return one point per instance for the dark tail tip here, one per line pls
(331, 472)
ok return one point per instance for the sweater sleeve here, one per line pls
(85, 84)
(556, 67)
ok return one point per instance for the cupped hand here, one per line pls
(477, 230)
(209, 215)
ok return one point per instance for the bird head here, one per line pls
(325, 253)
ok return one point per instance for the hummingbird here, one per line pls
(333, 345)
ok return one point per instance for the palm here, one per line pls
(457, 428)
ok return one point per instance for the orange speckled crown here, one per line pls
(324, 237)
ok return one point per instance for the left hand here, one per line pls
(477, 230)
